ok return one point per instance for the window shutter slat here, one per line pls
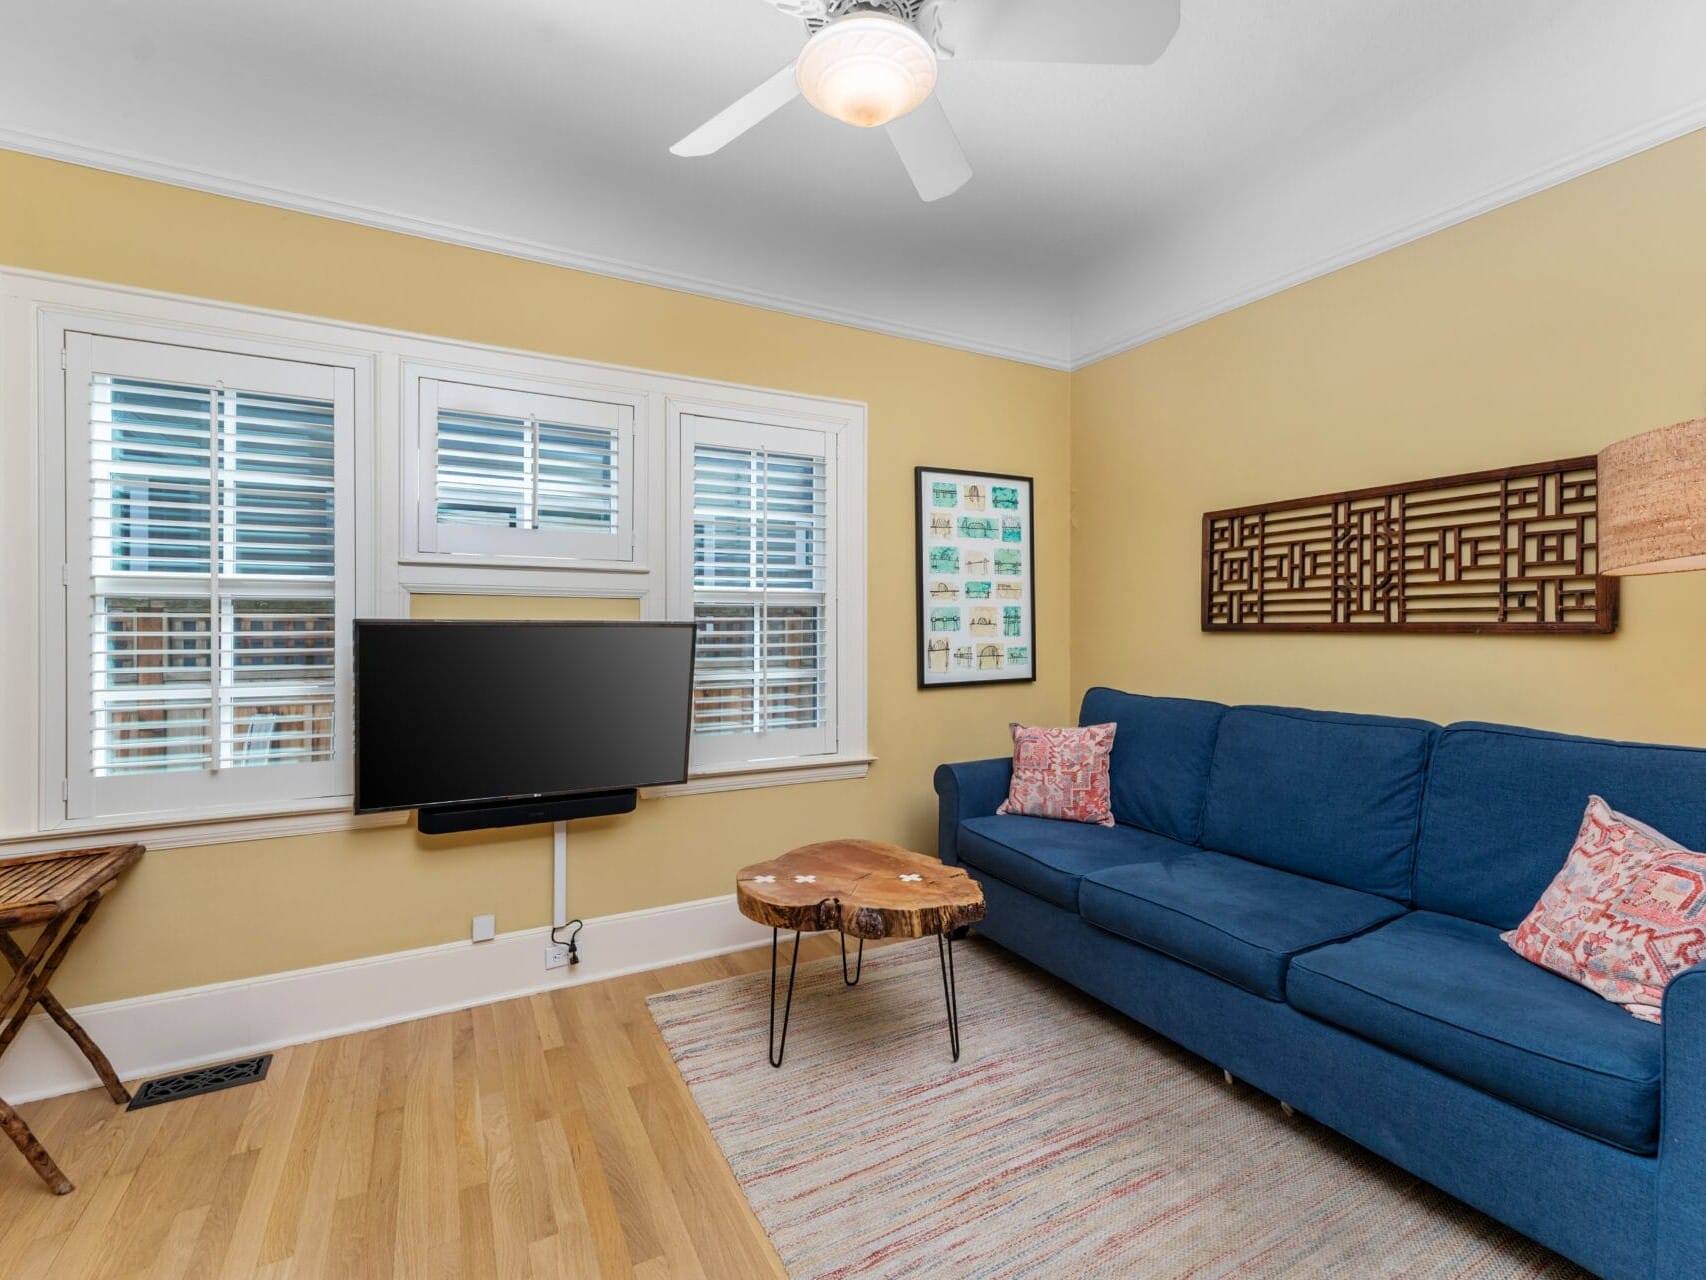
(525, 473)
(212, 537)
(760, 572)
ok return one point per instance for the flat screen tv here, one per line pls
(468, 713)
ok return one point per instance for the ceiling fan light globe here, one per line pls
(866, 69)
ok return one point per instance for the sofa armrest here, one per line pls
(1681, 1193)
(970, 790)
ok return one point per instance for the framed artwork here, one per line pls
(976, 578)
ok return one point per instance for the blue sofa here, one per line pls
(1313, 902)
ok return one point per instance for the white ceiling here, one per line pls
(1273, 141)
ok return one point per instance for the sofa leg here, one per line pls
(1286, 1107)
(1226, 1075)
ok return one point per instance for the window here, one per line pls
(764, 586)
(207, 588)
(509, 474)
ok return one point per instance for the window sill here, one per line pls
(774, 773)
(167, 832)
(184, 830)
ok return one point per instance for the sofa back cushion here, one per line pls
(1334, 797)
(1159, 766)
(1504, 805)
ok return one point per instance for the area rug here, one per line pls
(1066, 1142)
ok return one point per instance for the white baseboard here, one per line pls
(150, 1035)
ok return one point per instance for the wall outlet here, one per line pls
(556, 955)
(485, 928)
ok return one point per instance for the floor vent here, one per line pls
(187, 1084)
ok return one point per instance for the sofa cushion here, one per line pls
(1504, 805)
(1048, 858)
(1162, 750)
(1238, 920)
(1449, 993)
(1332, 797)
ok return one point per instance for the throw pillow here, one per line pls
(1061, 773)
(1625, 915)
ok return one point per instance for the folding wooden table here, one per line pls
(58, 892)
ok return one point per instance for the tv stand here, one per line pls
(446, 819)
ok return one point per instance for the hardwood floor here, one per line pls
(549, 1136)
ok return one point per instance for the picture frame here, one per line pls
(976, 577)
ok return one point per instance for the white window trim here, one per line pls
(836, 768)
(59, 793)
(424, 542)
(180, 832)
(845, 436)
(29, 370)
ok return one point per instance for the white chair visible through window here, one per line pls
(257, 743)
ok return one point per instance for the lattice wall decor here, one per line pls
(1496, 551)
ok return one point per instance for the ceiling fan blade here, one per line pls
(930, 151)
(1122, 32)
(732, 121)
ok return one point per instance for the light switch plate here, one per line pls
(485, 928)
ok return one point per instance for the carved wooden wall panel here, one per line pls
(1494, 551)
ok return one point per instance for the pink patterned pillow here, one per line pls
(1061, 773)
(1625, 915)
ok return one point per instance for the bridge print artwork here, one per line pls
(1512, 551)
(976, 543)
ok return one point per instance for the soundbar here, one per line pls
(442, 820)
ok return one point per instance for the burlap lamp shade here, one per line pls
(1652, 502)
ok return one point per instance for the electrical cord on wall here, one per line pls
(577, 926)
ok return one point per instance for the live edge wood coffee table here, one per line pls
(863, 889)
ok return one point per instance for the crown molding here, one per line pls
(61, 149)
(1610, 151)
(1619, 147)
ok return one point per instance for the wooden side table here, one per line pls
(59, 892)
(866, 889)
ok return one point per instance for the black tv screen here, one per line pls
(463, 712)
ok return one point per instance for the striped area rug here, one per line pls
(1067, 1141)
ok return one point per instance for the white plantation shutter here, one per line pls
(763, 591)
(204, 576)
(514, 474)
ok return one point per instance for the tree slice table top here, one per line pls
(862, 888)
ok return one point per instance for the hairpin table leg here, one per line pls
(858, 967)
(778, 1048)
(950, 993)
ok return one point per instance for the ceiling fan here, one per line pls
(874, 63)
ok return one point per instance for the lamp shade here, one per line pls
(1652, 502)
(866, 69)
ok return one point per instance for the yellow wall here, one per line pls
(529, 608)
(190, 916)
(1544, 329)
(1547, 328)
